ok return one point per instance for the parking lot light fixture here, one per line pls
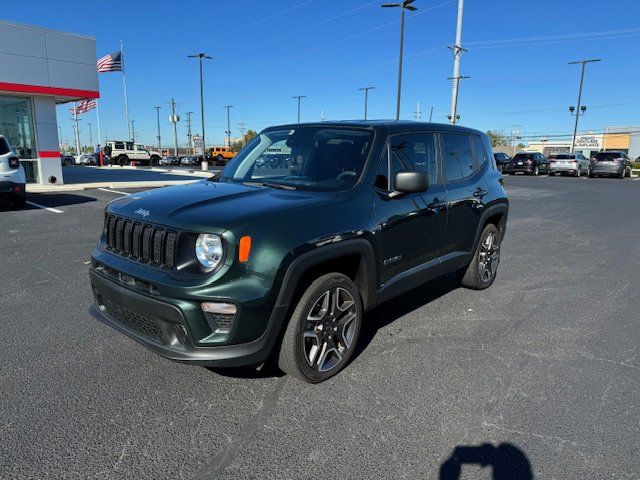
(299, 97)
(366, 98)
(200, 57)
(578, 108)
(405, 5)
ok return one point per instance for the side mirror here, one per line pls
(411, 182)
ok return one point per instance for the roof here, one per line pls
(389, 126)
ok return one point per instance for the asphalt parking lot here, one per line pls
(544, 366)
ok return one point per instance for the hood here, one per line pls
(215, 206)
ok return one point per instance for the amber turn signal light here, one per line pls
(245, 249)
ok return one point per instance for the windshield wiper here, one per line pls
(281, 186)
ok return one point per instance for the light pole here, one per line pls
(228, 130)
(366, 98)
(578, 108)
(299, 97)
(454, 117)
(189, 135)
(133, 131)
(158, 136)
(200, 57)
(90, 135)
(405, 5)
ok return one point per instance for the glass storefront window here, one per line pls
(16, 124)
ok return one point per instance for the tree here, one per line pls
(235, 146)
(497, 138)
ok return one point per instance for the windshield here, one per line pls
(306, 157)
(607, 156)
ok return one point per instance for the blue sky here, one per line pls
(267, 51)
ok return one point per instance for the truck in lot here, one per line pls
(124, 152)
(257, 264)
(221, 154)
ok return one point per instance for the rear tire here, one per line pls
(482, 270)
(123, 160)
(323, 330)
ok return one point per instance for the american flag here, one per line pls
(84, 107)
(111, 62)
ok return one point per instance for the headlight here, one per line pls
(209, 250)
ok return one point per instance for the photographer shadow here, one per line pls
(507, 461)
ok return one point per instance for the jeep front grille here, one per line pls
(140, 241)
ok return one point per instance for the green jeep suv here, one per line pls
(281, 259)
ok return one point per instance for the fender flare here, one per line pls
(498, 208)
(304, 262)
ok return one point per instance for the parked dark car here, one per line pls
(502, 161)
(529, 163)
(610, 164)
(258, 263)
(67, 160)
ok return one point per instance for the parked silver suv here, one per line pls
(569, 163)
(12, 176)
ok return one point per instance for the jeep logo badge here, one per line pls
(143, 212)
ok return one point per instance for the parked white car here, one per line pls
(569, 163)
(12, 176)
(122, 153)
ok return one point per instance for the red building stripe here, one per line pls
(42, 90)
(49, 154)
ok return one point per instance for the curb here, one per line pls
(75, 187)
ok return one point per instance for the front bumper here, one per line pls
(167, 328)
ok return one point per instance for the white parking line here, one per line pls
(54, 210)
(112, 191)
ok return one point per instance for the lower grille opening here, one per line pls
(144, 325)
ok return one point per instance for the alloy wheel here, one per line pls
(489, 257)
(329, 329)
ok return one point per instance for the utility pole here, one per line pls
(366, 98)
(158, 136)
(457, 52)
(417, 114)
(322, 117)
(201, 56)
(579, 107)
(454, 117)
(430, 114)
(405, 5)
(133, 131)
(515, 135)
(90, 135)
(299, 97)
(228, 130)
(241, 126)
(174, 119)
(189, 136)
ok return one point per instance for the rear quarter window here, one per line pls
(4, 147)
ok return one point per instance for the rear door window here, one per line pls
(458, 156)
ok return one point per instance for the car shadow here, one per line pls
(391, 310)
(507, 462)
(374, 320)
(58, 199)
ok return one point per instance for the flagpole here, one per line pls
(124, 87)
(99, 132)
(75, 124)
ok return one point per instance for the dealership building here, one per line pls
(625, 139)
(40, 69)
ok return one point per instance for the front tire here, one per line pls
(482, 270)
(323, 330)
